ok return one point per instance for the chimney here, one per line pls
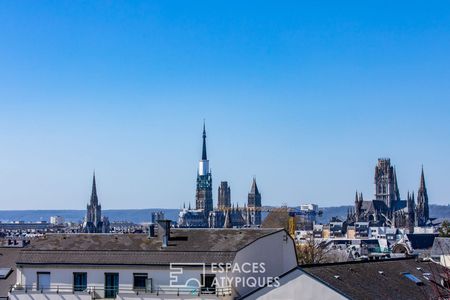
(151, 230)
(164, 232)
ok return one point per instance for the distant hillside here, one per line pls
(436, 211)
(132, 215)
(144, 215)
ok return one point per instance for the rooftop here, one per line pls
(8, 258)
(382, 279)
(185, 246)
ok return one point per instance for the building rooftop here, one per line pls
(185, 246)
(383, 279)
(8, 256)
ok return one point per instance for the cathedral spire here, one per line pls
(422, 181)
(422, 202)
(254, 189)
(396, 191)
(204, 157)
(94, 198)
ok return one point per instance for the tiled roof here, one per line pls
(382, 279)
(185, 246)
(8, 256)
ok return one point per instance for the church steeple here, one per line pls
(94, 198)
(254, 189)
(423, 211)
(254, 204)
(204, 156)
(422, 181)
(396, 190)
(203, 194)
(94, 223)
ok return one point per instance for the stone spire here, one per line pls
(94, 198)
(411, 212)
(94, 223)
(396, 190)
(254, 189)
(422, 181)
(254, 204)
(423, 213)
(204, 156)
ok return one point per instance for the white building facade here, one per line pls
(195, 263)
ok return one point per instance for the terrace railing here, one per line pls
(100, 292)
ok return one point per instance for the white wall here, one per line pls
(62, 277)
(276, 251)
(297, 285)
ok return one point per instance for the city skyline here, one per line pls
(233, 201)
(304, 97)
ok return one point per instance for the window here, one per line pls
(208, 283)
(43, 281)
(412, 278)
(4, 272)
(79, 281)
(111, 285)
(140, 281)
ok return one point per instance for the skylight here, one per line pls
(4, 272)
(412, 278)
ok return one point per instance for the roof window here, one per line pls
(413, 278)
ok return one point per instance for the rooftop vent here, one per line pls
(151, 231)
(164, 232)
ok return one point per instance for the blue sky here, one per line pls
(305, 97)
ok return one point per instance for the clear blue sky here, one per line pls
(305, 97)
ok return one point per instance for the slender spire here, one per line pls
(254, 189)
(94, 198)
(204, 157)
(422, 180)
(422, 202)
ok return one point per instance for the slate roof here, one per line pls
(381, 279)
(371, 206)
(185, 246)
(8, 258)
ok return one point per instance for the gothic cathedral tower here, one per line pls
(386, 187)
(254, 205)
(94, 222)
(224, 196)
(203, 194)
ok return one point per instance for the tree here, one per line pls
(444, 230)
(313, 251)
